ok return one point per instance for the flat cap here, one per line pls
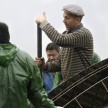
(74, 9)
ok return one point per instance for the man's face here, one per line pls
(69, 21)
(52, 55)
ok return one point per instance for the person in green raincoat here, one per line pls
(20, 77)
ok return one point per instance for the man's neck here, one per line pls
(75, 28)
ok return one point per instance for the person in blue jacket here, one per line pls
(52, 51)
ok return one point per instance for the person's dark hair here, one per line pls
(4, 33)
(52, 46)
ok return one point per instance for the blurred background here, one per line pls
(20, 16)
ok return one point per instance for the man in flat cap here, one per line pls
(74, 42)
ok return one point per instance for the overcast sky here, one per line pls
(20, 16)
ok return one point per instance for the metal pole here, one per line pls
(39, 44)
(39, 41)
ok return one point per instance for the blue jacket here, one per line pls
(48, 80)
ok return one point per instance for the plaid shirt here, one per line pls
(69, 61)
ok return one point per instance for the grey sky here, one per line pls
(20, 16)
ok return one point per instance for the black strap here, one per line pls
(83, 58)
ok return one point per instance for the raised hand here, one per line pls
(41, 18)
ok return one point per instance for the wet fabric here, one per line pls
(20, 79)
(96, 58)
(57, 79)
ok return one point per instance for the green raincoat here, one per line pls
(20, 79)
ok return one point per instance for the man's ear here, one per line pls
(78, 19)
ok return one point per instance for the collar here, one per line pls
(76, 28)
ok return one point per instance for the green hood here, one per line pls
(7, 53)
